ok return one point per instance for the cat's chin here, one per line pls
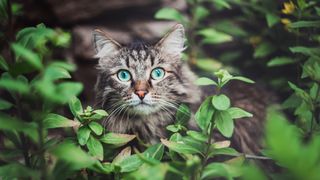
(143, 109)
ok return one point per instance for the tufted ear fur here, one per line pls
(173, 41)
(104, 45)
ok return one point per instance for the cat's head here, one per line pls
(141, 78)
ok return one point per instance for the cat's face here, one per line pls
(139, 78)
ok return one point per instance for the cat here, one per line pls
(141, 86)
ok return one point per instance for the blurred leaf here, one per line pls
(75, 107)
(77, 159)
(183, 114)
(124, 153)
(280, 61)
(272, 19)
(203, 81)
(96, 128)
(221, 3)
(212, 36)
(204, 114)
(14, 85)
(264, 49)
(224, 123)
(52, 73)
(101, 112)
(305, 24)
(83, 135)
(244, 79)
(221, 144)
(308, 51)
(116, 139)
(170, 14)
(130, 163)
(64, 65)
(58, 121)
(221, 102)
(224, 26)
(173, 128)
(18, 171)
(214, 170)
(3, 64)
(180, 147)
(222, 151)
(197, 136)
(253, 173)
(236, 113)
(5, 104)
(208, 64)
(31, 57)
(201, 12)
(155, 151)
(95, 148)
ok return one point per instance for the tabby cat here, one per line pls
(142, 85)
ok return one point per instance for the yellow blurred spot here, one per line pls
(285, 21)
(288, 8)
(255, 40)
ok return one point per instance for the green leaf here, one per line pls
(170, 14)
(224, 123)
(201, 12)
(212, 36)
(214, 170)
(155, 151)
(14, 85)
(130, 163)
(183, 114)
(18, 171)
(32, 58)
(75, 107)
(204, 114)
(101, 112)
(243, 79)
(96, 128)
(124, 153)
(5, 104)
(52, 73)
(3, 64)
(264, 49)
(304, 24)
(116, 139)
(83, 135)
(221, 102)
(173, 128)
(198, 136)
(75, 157)
(272, 19)
(95, 148)
(308, 51)
(280, 61)
(221, 3)
(208, 64)
(223, 151)
(236, 113)
(58, 121)
(180, 147)
(203, 81)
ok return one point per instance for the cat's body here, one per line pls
(141, 86)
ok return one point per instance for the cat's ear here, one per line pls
(173, 41)
(104, 45)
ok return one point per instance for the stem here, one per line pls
(43, 165)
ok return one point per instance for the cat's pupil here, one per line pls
(158, 72)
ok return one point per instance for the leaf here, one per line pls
(130, 163)
(223, 151)
(54, 73)
(101, 112)
(236, 113)
(208, 64)
(203, 81)
(83, 135)
(32, 58)
(95, 148)
(197, 136)
(183, 114)
(96, 128)
(214, 170)
(224, 123)
(3, 64)
(18, 171)
(155, 151)
(126, 152)
(173, 128)
(75, 157)
(308, 51)
(221, 3)
(180, 147)
(75, 107)
(221, 102)
(116, 139)
(58, 121)
(243, 79)
(14, 85)
(221, 144)
(204, 114)
(272, 19)
(201, 12)
(280, 61)
(5, 104)
(264, 49)
(304, 24)
(212, 36)
(170, 14)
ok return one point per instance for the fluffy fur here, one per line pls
(149, 116)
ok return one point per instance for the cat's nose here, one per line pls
(141, 93)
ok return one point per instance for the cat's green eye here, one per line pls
(157, 73)
(124, 75)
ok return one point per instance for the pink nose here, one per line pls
(141, 93)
